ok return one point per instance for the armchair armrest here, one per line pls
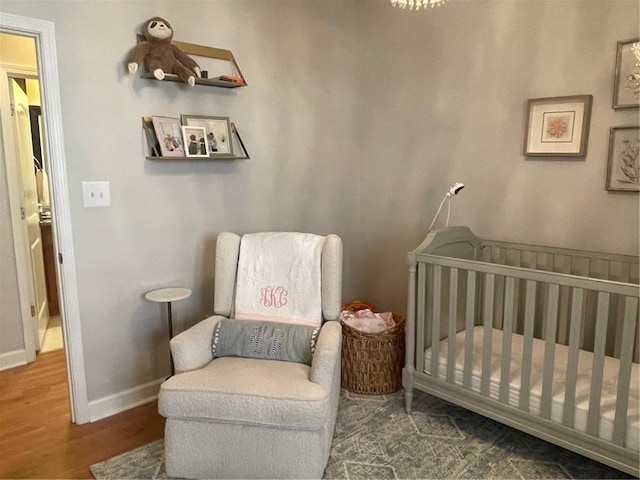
(191, 349)
(326, 358)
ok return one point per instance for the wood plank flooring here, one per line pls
(37, 438)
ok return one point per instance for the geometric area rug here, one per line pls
(375, 439)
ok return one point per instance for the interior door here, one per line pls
(30, 215)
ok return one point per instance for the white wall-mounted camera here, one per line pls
(455, 189)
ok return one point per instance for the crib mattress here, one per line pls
(585, 362)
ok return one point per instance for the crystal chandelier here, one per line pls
(417, 4)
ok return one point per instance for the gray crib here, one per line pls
(542, 339)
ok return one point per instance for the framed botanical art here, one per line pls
(558, 126)
(169, 136)
(623, 167)
(626, 82)
(195, 143)
(218, 133)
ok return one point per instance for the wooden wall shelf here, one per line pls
(209, 55)
(211, 82)
(153, 147)
(196, 158)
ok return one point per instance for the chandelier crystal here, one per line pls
(417, 4)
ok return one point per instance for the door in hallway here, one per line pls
(29, 212)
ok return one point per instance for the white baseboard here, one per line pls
(119, 402)
(13, 359)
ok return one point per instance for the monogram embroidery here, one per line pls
(275, 297)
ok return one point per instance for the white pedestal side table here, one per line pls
(168, 295)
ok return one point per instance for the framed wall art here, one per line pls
(218, 133)
(169, 136)
(623, 167)
(558, 126)
(626, 82)
(195, 143)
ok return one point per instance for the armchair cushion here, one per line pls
(273, 393)
(265, 340)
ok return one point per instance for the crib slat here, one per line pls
(598, 364)
(422, 319)
(453, 320)
(549, 350)
(618, 321)
(527, 348)
(563, 320)
(568, 416)
(498, 314)
(507, 330)
(435, 321)
(488, 333)
(624, 376)
(469, 321)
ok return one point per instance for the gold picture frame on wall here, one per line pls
(558, 126)
(626, 83)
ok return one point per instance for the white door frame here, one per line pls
(44, 33)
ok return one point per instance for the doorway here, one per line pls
(43, 33)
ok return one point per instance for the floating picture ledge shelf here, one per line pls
(154, 148)
(211, 82)
(196, 158)
(210, 56)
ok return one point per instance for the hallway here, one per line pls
(53, 336)
(37, 438)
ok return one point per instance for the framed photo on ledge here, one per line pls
(623, 167)
(169, 136)
(558, 126)
(195, 143)
(218, 133)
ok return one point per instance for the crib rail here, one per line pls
(455, 295)
(607, 266)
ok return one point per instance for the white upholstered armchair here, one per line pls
(236, 417)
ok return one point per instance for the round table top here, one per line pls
(170, 294)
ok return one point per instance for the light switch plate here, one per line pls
(96, 194)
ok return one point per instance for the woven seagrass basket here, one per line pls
(372, 362)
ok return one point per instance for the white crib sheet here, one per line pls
(609, 387)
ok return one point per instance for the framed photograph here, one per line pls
(169, 136)
(626, 82)
(195, 141)
(558, 126)
(218, 133)
(623, 168)
(152, 139)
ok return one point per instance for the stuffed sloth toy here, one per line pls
(159, 55)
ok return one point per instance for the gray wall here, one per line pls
(357, 117)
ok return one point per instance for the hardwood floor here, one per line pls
(37, 438)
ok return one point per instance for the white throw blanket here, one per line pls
(279, 278)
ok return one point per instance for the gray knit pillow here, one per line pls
(264, 340)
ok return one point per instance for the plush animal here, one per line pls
(159, 55)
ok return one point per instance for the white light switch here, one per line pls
(96, 194)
